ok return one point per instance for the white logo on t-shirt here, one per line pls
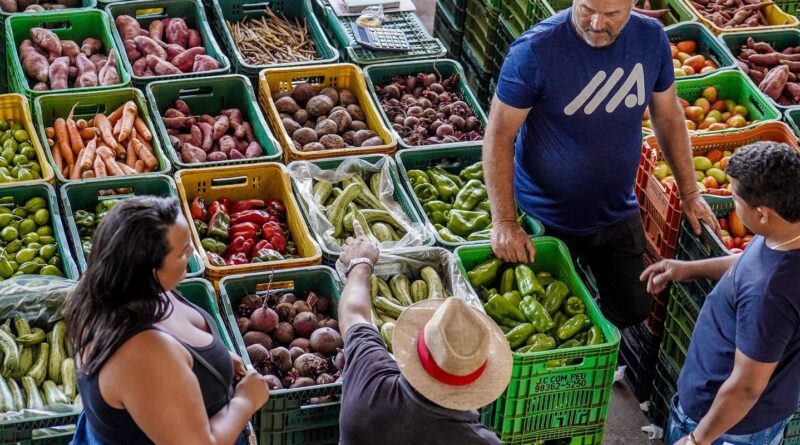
(635, 78)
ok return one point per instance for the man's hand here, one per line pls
(659, 275)
(511, 244)
(239, 370)
(696, 209)
(359, 247)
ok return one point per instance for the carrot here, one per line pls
(81, 123)
(129, 114)
(50, 143)
(112, 167)
(104, 126)
(116, 114)
(57, 156)
(88, 155)
(62, 138)
(75, 173)
(117, 126)
(131, 157)
(105, 152)
(99, 167)
(50, 132)
(88, 174)
(126, 169)
(142, 129)
(124, 191)
(75, 139)
(145, 154)
(88, 133)
(139, 166)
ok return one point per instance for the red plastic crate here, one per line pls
(660, 206)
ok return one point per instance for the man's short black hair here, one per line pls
(769, 175)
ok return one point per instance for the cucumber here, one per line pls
(375, 184)
(401, 289)
(358, 216)
(385, 290)
(365, 199)
(6, 398)
(321, 191)
(336, 211)
(11, 353)
(16, 394)
(387, 307)
(435, 286)
(78, 403)
(53, 395)
(57, 354)
(33, 400)
(25, 353)
(70, 378)
(383, 232)
(386, 332)
(419, 290)
(36, 336)
(38, 371)
(376, 317)
(373, 216)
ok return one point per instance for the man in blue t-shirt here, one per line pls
(572, 93)
(741, 380)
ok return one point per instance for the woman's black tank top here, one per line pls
(115, 426)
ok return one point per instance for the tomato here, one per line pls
(687, 46)
(723, 224)
(744, 245)
(728, 242)
(714, 155)
(747, 238)
(737, 227)
(737, 241)
(710, 182)
(696, 62)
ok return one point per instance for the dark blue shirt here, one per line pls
(578, 150)
(755, 308)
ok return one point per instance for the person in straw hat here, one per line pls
(450, 360)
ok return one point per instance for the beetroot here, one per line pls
(280, 359)
(264, 319)
(304, 324)
(326, 341)
(284, 333)
(338, 361)
(285, 311)
(257, 338)
(301, 343)
(324, 379)
(303, 382)
(243, 323)
(258, 354)
(330, 323)
(309, 365)
(296, 352)
(319, 304)
(273, 382)
(287, 298)
(302, 306)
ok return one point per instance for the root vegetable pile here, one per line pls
(242, 232)
(113, 145)
(35, 6)
(167, 47)
(18, 159)
(425, 109)
(293, 341)
(54, 64)
(28, 241)
(328, 119)
(776, 72)
(727, 14)
(207, 138)
(272, 39)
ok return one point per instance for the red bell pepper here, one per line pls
(273, 233)
(236, 259)
(240, 245)
(247, 230)
(254, 216)
(248, 204)
(214, 259)
(276, 207)
(199, 209)
(226, 202)
(217, 206)
(263, 244)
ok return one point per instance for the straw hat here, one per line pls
(452, 354)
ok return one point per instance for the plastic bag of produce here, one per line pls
(365, 186)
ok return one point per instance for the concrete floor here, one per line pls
(625, 418)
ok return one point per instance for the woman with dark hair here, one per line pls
(151, 366)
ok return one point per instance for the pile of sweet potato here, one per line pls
(113, 145)
(727, 14)
(167, 47)
(206, 138)
(54, 64)
(35, 6)
(777, 73)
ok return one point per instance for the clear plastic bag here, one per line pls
(371, 16)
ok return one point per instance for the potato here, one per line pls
(305, 136)
(314, 146)
(310, 124)
(348, 137)
(319, 105)
(325, 127)
(286, 105)
(303, 92)
(342, 119)
(362, 135)
(358, 125)
(373, 142)
(281, 93)
(346, 97)
(332, 141)
(332, 93)
(301, 116)
(356, 113)
(290, 125)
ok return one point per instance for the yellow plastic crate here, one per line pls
(251, 181)
(14, 107)
(775, 16)
(340, 75)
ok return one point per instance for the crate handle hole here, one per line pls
(57, 26)
(566, 363)
(150, 13)
(310, 406)
(234, 181)
(256, 7)
(191, 92)
(313, 80)
(89, 110)
(104, 195)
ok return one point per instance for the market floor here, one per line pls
(625, 418)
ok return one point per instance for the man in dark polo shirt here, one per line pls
(741, 381)
(451, 360)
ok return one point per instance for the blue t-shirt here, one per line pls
(577, 152)
(755, 308)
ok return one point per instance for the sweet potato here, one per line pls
(36, 65)
(248, 132)
(208, 131)
(192, 155)
(148, 46)
(72, 73)
(128, 27)
(774, 82)
(182, 106)
(226, 144)
(99, 60)
(131, 51)
(173, 51)
(197, 136)
(178, 122)
(195, 39)
(87, 76)
(156, 30)
(48, 40)
(8, 5)
(236, 154)
(139, 67)
(207, 118)
(253, 150)
(91, 46)
(70, 49)
(177, 32)
(204, 63)
(216, 156)
(186, 60)
(109, 75)
(59, 73)
(220, 127)
(161, 66)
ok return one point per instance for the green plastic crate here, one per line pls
(477, 79)
(505, 37)
(400, 196)
(519, 15)
(731, 85)
(85, 4)
(72, 25)
(84, 196)
(48, 108)
(542, 401)
(777, 38)
(210, 95)
(147, 11)
(287, 419)
(480, 32)
(445, 30)
(707, 44)
(673, 348)
(456, 12)
(423, 45)
(12, 195)
(681, 317)
(664, 387)
(791, 435)
(792, 117)
(383, 74)
(453, 160)
(236, 10)
(201, 293)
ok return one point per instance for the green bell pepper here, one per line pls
(426, 192)
(455, 178)
(513, 297)
(573, 327)
(219, 225)
(202, 228)
(500, 309)
(507, 281)
(5, 268)
(595, 336)
(558, 319)
(538, 343)
(417, 177)
(436, 210)
(84, 219)
(51, 270)
(519, 334)
(569, 344)
(582, 337)
(536, 314)
(445, 186)
(526, 281)
(212, 245)
(545, 278)
(86, 246)
(482, 235)
(554, 296)
(484, 205)
(103, 207)
(485, 272)
(449, 236)
(470, 195)
(474, 171)
(464, 222)
(266, 255)
(574, 306)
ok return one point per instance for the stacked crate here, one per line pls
(478, 48)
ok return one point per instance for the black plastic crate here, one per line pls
(448, 33)
(638, 351)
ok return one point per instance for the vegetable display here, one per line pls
(774, 71)
(35, 6)
(37, 371)
(323, 120)
(167, 47)
(687, 62)
(733, 234)
(709, 170)
(88, 221)
(272, 39)
(54, 64)
(535, 310)
(292, 339)
(242, 232)
(425, 109)
(28, 241)
(115, 145)
(709, 112)
(730, 14)
(18, 160)
(207, 138)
